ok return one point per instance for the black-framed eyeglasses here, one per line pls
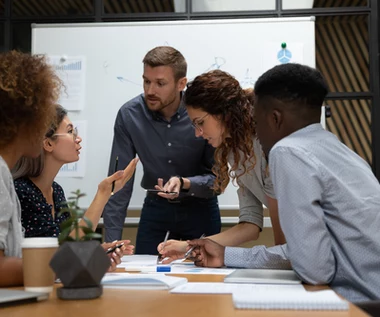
(197, 125)
(74, 133)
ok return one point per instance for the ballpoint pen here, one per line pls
(192, 248)
(163, 246)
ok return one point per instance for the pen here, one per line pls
(163, 246)
(192, 248)
(109, 250)
(160, 191)
(113, 183)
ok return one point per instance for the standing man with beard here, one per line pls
(156, 127)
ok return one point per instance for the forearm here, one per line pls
(238, 234)
(258, 257)
(95, 210)
(10, 271)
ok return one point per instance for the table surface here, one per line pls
(144, 303)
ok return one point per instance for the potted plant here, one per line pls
(80, 262)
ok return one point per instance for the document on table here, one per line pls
(141, 281)
(148, 264)
(230, 288)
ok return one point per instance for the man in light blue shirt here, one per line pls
(328, 197)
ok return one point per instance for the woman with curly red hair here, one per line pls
(222, 113)
(29, 89)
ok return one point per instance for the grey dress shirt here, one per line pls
(329, 209)
(165, 148)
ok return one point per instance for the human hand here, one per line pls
(207, 253)
(126, 248)
(120, 178)
(172, 185)
(172, 250)
(115, 256)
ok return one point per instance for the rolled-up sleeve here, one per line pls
(251, 208)
(202, 185)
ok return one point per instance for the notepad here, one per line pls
(262, 276)
(290, 300)
(141, 281)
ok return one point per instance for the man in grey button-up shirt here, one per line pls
(328, 197)
(156, 127)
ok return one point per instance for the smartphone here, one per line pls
(109, 250)
(160, 191)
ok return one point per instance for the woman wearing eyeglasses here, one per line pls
(41, 197)
(222, 113)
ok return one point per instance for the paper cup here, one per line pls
(36, 254)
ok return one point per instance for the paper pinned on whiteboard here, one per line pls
(71, 70)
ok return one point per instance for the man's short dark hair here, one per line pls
(167, 56)
(291, 83)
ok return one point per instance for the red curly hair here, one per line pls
(219, 94)
(29, 88)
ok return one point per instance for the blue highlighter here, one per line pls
(163, 268)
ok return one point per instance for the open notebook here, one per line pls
(293, 298)
(15, 297)
(141, 281)
(261, 276)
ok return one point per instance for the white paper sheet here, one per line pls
(71, 70)
(148, 264)
(229, 288)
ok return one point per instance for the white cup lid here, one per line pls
(39, 243)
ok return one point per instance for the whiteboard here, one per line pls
(113, 55)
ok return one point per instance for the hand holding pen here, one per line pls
(159, 257)
(188, 253)
(208, 253)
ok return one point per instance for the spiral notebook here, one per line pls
(291, 299)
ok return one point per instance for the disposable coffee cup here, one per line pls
(36, 256)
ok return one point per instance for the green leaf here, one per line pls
(67, 223)
(65, 235)
(91, 236)
(86, 230)
(87, 221)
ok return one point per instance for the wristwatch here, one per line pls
(181, 180)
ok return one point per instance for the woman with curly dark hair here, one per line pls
(29, 89)
(222, 113)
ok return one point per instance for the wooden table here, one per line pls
(144, 303)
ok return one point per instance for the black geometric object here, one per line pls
(80, 265)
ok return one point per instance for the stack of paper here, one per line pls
(263, 276)
(141, 281)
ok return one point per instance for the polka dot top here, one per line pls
(36, 212)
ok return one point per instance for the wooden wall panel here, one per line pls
(342, 56)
